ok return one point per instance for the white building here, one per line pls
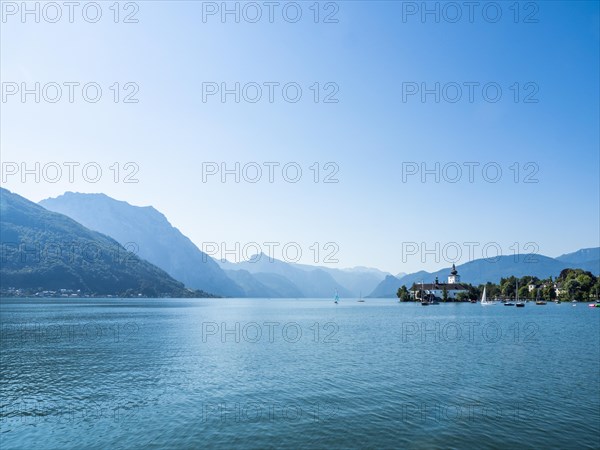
(453, 288)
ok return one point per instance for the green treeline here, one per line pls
(571, 284)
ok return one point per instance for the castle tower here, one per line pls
(454, 277)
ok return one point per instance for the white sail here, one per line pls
(484, 298)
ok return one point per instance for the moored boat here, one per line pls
(518, 304)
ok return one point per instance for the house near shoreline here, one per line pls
(436, 290)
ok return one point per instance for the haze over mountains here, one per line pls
(157, 241)
(309, 281)
(153, 239)
(43, 250)
(589, 257)
(301, 280)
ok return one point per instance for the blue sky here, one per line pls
(370, 214)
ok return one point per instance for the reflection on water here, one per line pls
(300, 373)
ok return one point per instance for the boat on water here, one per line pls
(337, 298)
(538, 300)
(518, 304)
(360, 300)
(429, 302)
(424, 301)
(427, 299)
(484, 300)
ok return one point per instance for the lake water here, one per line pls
(249, 373)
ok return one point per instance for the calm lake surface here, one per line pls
(250, 373)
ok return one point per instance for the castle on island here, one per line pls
(436, 290)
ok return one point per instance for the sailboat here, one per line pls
(337, 298)
(538, 300)
(423, 301)
(360, 300)
(484, 300)
(518, 304)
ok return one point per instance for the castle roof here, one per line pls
(453, 271)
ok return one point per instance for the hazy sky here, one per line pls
(542, 128)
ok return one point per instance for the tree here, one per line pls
(403, 294)
(493, 290)
(462, 296)
(445, 294)
(523, 292)
(474, 292)
(573, 289)
(595, 291)
(508, 286)
(548, 292)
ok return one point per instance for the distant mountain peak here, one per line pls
(112, 270)
(156, 239)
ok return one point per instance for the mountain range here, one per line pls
(309, 282)
(163, 245)
(164, 254)
(44, 250)
(151, 235)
